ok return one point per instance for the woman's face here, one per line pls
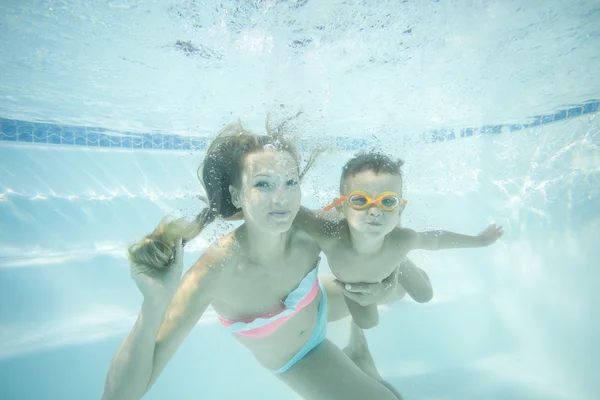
(269, 192)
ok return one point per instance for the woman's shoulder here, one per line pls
(317, 226)
(223, 253)
(300, 240)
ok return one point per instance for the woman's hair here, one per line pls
(222, 167)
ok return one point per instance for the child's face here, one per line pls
(373, 221)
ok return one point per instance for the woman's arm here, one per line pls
(162, 326)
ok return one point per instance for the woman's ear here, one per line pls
(235, 197)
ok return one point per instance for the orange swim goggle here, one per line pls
(359, 200)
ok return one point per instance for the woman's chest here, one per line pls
(254, 289)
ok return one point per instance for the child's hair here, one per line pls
(221, 168)
(375, 162)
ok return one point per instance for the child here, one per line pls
(367, 244)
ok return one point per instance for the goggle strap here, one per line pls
(335, 203)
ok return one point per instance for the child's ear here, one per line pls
(401, 208)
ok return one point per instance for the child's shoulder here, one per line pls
(402, 235)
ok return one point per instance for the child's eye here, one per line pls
(390, 202)
(358, 200)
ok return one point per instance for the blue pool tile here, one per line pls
(466, 132)
(168, 142)
(437, 135)
(536, 121)
(491, 129)
(115, 141)
(199, 143)
(33, 132)
(147, 140)
(98, 130)
(8, 127)
(92, 139)
(358, 143)
(40, 136)
(126, 142)
(103, 140)
(79, 136)
(177, 142)
(590, 107)
(137, 142)
(67, 137)
(515, 127)
(574, 112)
(157, 141)
(41, 129)
(560, 115)
(54, 130)
(54, 139)
(186, 144)
(25, 128)
(12, 136)
(25, 137)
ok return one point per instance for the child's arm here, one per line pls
(415, 281)
(437, 240)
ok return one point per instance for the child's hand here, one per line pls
(490, 234)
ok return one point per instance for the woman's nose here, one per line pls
(280, 196)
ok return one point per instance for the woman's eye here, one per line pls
(292, 182)
(261, 184)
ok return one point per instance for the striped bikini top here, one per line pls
(265, 325)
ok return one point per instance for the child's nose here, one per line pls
(374, 210)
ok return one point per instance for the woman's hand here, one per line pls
(159, 285)
(370, 293)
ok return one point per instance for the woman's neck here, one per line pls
(262, 245)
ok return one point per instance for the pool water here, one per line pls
(106, 109)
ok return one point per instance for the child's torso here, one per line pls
(350, 266)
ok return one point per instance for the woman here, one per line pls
(244, 276)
